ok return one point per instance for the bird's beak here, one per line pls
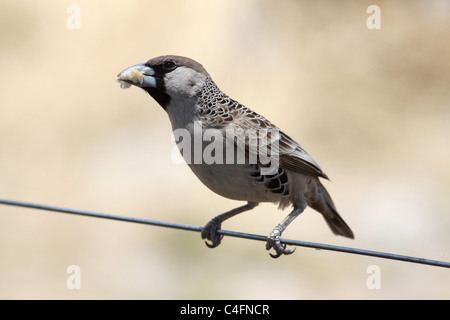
(139, 75)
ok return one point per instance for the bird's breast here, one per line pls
(233, 181)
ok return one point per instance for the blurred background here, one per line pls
(371, 106)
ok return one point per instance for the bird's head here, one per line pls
(166, 78)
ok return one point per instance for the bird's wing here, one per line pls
(249, 127)
(295, 158)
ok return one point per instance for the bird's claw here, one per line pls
(210, 233)
(273, 241)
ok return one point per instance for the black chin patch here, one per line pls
(161, 97)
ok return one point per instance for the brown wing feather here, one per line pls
(230, 114)
(295, 158)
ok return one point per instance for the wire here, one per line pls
(229, 233)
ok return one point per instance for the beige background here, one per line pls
(371, 106)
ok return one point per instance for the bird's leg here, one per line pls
(209, 231)
(273, 240)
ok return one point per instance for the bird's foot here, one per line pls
(273, 241)
(210, 233)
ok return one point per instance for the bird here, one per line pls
(196, 106)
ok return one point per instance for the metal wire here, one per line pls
(229, 233)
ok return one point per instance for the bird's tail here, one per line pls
(326, 207)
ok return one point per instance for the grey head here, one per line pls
(166, 77)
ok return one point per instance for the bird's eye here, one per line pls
(169, 65)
